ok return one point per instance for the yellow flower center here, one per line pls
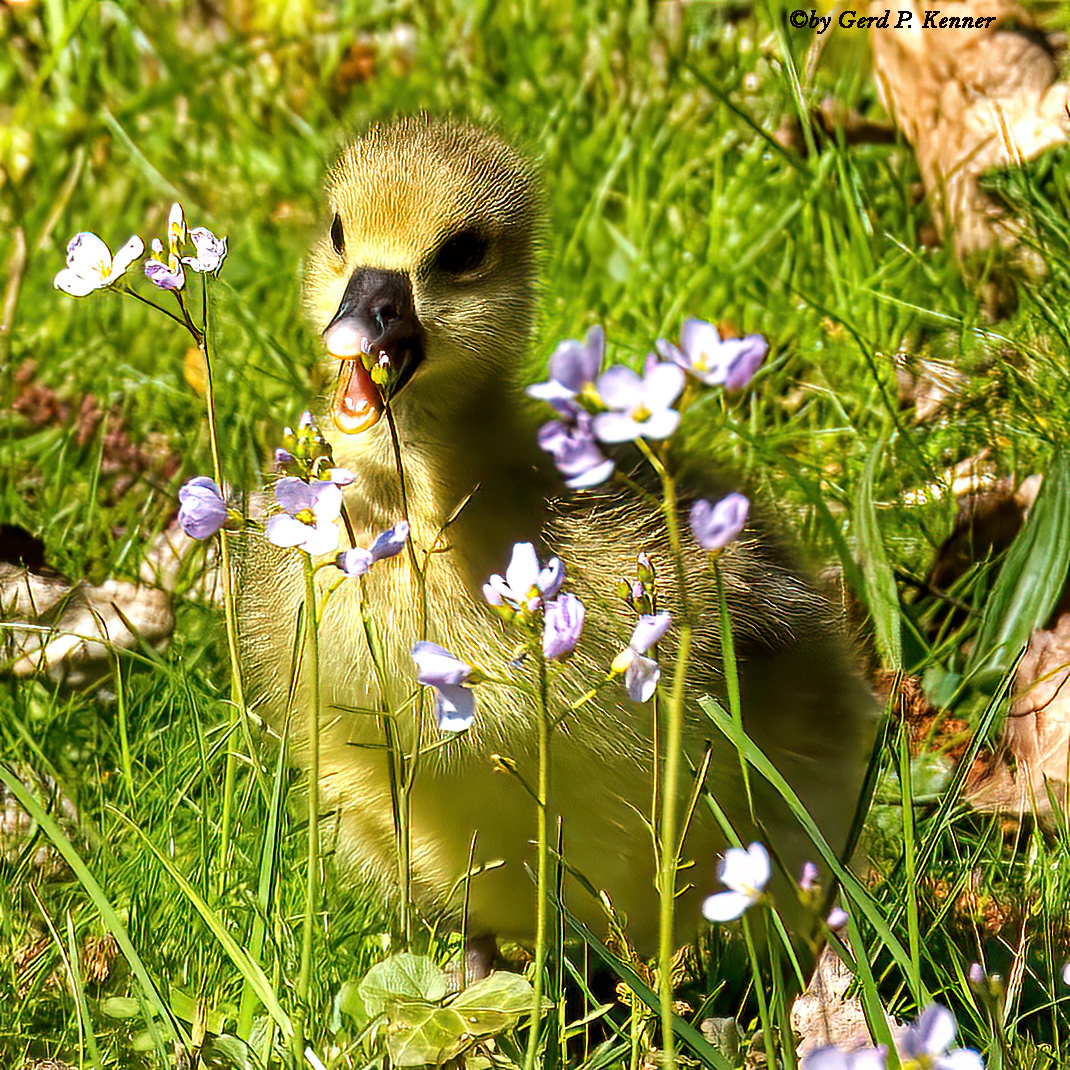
(306, 516)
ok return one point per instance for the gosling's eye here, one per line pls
(338, 238)
(463, 252)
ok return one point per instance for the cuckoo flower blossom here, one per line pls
(525, 585)
(834, 1059)
(309, 519)
(573, 368)
(436, 667)
(638, 407)
(716, 361)
(210, 251)
(90, 265)
(923, 1045)
(716, 525)
(389, 543)
(561, 627)
(641, 674)
(746, 873)
(572, 445)
(203, 509)
(168, 275)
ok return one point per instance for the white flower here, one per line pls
(746, 873)
(210, 251)
(834, 1059)
(309, 521)
(525, 583)
(923, 1045)
(90, 265)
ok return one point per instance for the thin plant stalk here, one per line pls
(668, 832)
(304, 976)
(542, 867)
(237, 692)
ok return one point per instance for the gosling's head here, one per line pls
(423, 285)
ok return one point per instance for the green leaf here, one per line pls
(427, 1035)
(401, 978)
(1031, 579)
(882, 597)
(495, 1004)
(349, 1003)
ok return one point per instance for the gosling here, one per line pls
(431, 255)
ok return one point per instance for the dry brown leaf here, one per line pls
(969, 100)
(1035, 749)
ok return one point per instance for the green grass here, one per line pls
(667, 197)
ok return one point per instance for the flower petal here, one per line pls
(551, 578)
(620, 388)
(437, 667)
(354, 562)
(744, 358)
(285, 530)
(641, 678)
(725, 906)
(70, 282)
(962, 1059)
(523, 571)
(126, 256)
(932, 1034)
(648, 630)
(594, 475)
(88, 255)
(326, 500)
(562, 626)
(745, 870)
(455, 708)
(660, 424)
(390, 542)
(662, 385)
(293, 494)
(716, 525)
(616, 427)
(321, 539)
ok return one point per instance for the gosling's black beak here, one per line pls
(380, 341)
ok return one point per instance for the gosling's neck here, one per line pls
(478, 455)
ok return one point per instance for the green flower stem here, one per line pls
(304, 976)
(731, 675)
(759, 991)
(237, 692)
(542, 868)
(668, 833)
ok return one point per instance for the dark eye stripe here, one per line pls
(337, 237)
(463, 252)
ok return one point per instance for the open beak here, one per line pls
(377, 337)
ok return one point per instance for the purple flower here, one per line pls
(210, 251)
(649, 629)
(308, 522)
(833, 1059)
(573, 367)
(641, 674)
(574, 450)
(746, 873)
(388, 543)
(168, 275)
(639, 407)
(927, 1041)
(283, 458)
(809, 877)
(90, 265)
(715, 526)
(641, 677)
(455, 705)
(203, 509)
(561, 627)
(731, 362)
(837, 919)
(525, 585)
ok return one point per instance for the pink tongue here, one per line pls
(357, 401)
